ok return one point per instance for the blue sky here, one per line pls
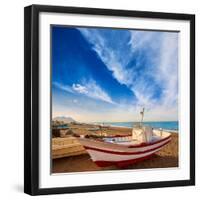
(101, 74)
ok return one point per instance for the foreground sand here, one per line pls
(166, 157)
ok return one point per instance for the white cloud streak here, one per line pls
(161, 49)
(164, 69)
(92, 90)
(167, 70)
(108, 56)
(89, 89)
(65, 88)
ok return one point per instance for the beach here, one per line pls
(80, 162)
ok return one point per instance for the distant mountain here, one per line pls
(64, 119)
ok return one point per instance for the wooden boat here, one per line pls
(123, 150)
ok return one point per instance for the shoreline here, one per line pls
(108, 124)
(166, 130)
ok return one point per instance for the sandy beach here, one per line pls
(165, 158)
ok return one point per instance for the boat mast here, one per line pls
(142, 116)
(134, 132)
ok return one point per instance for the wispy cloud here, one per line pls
(167, 70)
(113, 59)
(80, 89)
(87, 88)
(113, 73)
(144, 61)
(91, 89)
(163, 58)
(65, 88)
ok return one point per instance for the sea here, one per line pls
(165, 125)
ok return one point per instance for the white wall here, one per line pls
(11, 101)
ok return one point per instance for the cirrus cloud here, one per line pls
(87, 88)
(145, 61)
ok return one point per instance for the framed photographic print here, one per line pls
(109, 100)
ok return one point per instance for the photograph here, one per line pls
(109, 99)
(114, 99)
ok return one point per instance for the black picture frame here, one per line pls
(31, 98)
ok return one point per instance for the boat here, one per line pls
(123, 150)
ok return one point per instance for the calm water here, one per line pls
(170, 125)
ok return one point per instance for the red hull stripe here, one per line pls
(123, 163)
(149, 144)
(124, 153)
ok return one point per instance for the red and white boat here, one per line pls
(123, 150)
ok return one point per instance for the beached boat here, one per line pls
(123, 150)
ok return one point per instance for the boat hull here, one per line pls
(105, 153)
(121, 164)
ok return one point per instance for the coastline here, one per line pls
(165, 158)
(166, 130)
(169, 126)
